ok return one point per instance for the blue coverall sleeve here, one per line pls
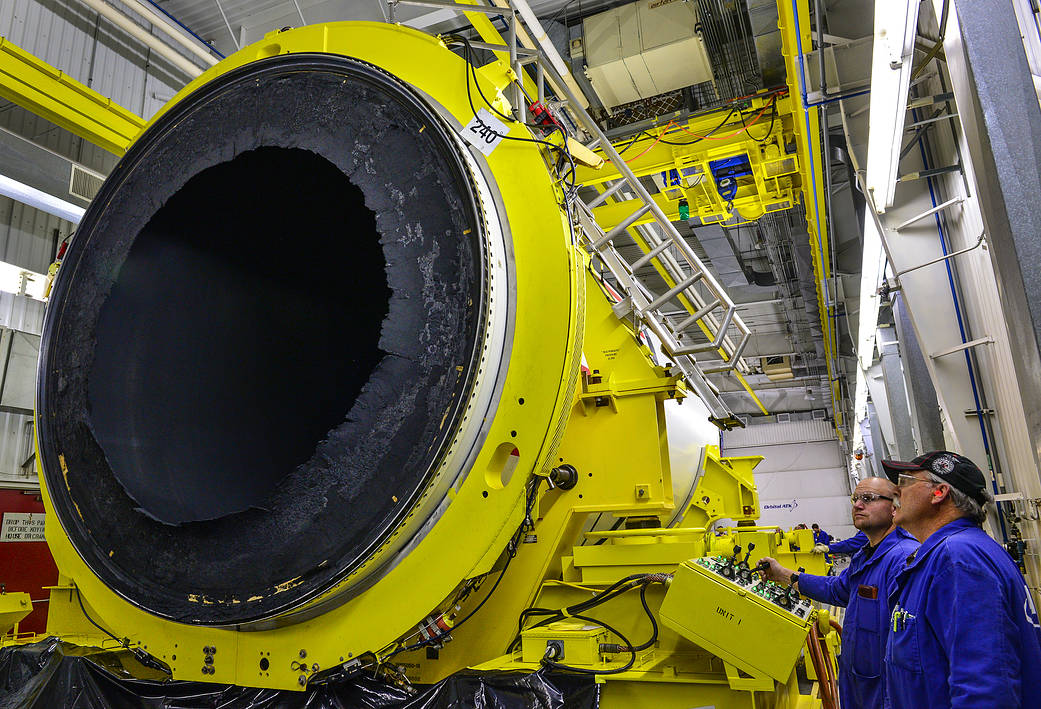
(848, 546)
(833, 590)
(966, 610)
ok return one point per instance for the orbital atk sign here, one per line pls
(789, 506)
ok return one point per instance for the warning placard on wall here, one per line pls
(22, 527)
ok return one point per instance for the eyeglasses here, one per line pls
(868, 497)
(904, 480)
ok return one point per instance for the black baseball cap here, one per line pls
(959, 471)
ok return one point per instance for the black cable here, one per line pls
(555, 614)
(144, 657)
(632, 142)
(698, 139)
(471, 71)
(616, 589)
(511, 549)
(769, 131)
(92, 621)
(718, 127)
(654, 624)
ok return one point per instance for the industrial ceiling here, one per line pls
(765, 263)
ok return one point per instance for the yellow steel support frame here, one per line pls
(674, 674)
(51, 94)
(13, 608)
(486, 30)
(652, 156)
(688, 148)
(794, 23)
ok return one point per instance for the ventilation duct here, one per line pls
(778, 369)
(726, 263)
(762, 15)
(644, 49)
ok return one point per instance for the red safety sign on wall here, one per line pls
(25, 561)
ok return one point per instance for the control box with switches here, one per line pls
(726, 607)
(740, 573)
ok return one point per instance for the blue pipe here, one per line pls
(813, 172)
(186, 28)
(961, 326)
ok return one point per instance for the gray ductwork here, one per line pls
(807, 283)
(726, 263)
(762, 15)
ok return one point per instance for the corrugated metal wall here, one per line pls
(803, 476)
(28, 236)
(71, 37)
(19, 313)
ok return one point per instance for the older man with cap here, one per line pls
(964, 631)
(864, 589)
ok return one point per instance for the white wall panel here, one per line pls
(44, 133)
(19, 313)
(802, 478)
(27, 235)
(15, 448)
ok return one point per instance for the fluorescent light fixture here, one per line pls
(33, 197)
(21, 281)
(896, 22)
(872, 270)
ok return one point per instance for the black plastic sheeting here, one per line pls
(261, 339)
(52, 674)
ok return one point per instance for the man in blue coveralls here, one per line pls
(964, 631)
(820, 539)
(863, 588)
(846, 546)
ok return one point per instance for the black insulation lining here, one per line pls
(198, 391)
(219, 363)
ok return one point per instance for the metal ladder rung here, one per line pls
(674, 291)
(621, 227)
(697, 316)
(603, 196)
(732, 362)
(650, 255)
(527, 53)
(716, 343)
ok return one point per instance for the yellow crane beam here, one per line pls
(795, 37)
(38, 87)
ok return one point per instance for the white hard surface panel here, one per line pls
(798, 482)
